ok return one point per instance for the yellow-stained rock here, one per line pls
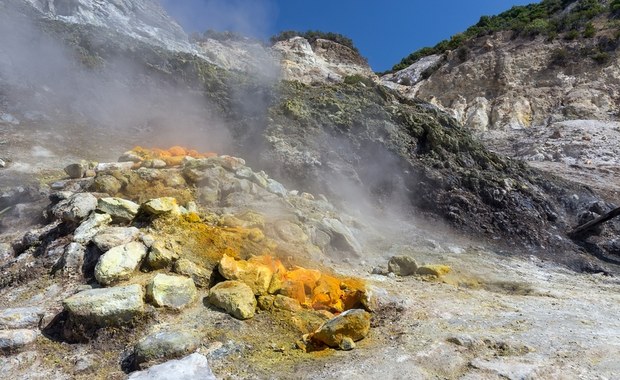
(352, 324)
(235, 297)
(256, 275)
(434, 270)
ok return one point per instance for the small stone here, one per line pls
(21, 318)
(276, 187)
(119, 263)
(158, 164)
(90, 227)
(161, 255)
(111, 237)
(402, 266)
(106, 184)
(75, 208)
(121, 210)
(353, 324)
(434, 270)
(12, 340)
(129, 156)
(76, 170)
(235, 297)
(174, 292)
(192, 367)
(161, 206)
(109, 166)
(198, 274)
(347, 344)
(2, 163)
(165, 345)
(106, 306)
(380, 270)
(266, 302)
(286, 303)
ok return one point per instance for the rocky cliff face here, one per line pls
(499, 82)
(144, 20)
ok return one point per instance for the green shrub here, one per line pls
(589, 30)
(357, 78)
(571, 35)
(600, 57)
(560, 58)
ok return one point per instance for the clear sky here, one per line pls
(384, 31)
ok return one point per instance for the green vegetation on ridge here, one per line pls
(548, 17)
(313, 35)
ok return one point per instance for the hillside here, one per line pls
(529, 66)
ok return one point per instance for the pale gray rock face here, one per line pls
(20, 318)
(119, 263)
(174, 292)
(165, 345)
(144, 20)
(111, 237)
(76, 208)
(192, 367)
(11, 340)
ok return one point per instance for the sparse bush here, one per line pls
(571, 35)
(589, 30)
(560, 58)
(313, 35)
(614, 8)
(600, 57)
(463, 53)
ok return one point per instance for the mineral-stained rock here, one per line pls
(286, 303)
(161, 255)
(119, 262)
(165, 345)
(107, 184)
(106, 307)
(111, 237)
(161, 206)
(192, 367)
(11, 340)
(90, 227)
(235, 297)
(434, 270)
(20, 318)
(75, 208)
(290, 232)
(402, 266)
(198, 274)
(121, 210)
(353, 324)
(174, 292)
(256, 275)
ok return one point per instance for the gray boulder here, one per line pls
(75, 208)
(119, 263)
(192, 367)
(121, 210)
(77, 170)
(106, 307)
(20, 318)
(341, 236)
(90, 227)
(11, 340)
(165, 345)
(198, 274)
(111, 237)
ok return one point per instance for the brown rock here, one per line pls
(352, 324)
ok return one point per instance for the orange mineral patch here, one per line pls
(172, 156)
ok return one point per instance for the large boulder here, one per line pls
(119, 263)
(235, 297)
(75, 208)
(106, 306)
(192, 367)
(121, 210)
(341, 236)
(174, 292)
(165, 345)
(111, 237)
(343, 330)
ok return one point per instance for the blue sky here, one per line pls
(384, 32)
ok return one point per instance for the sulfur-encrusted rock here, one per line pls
(286, 303)
(75, 208)
(161, 255)
(11, 340)
(159, 206)
(192, 367)
(119, 262)
(165, 345)
(111, 237)
(174, 292)
(105, 306)
(402, 266)
(235, 297)
(255, 275)
(90, 227)
(198, 274)
(434, 270)
(352, 324)
(121, 210)
(20, 318)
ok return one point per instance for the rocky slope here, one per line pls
(508, 80)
